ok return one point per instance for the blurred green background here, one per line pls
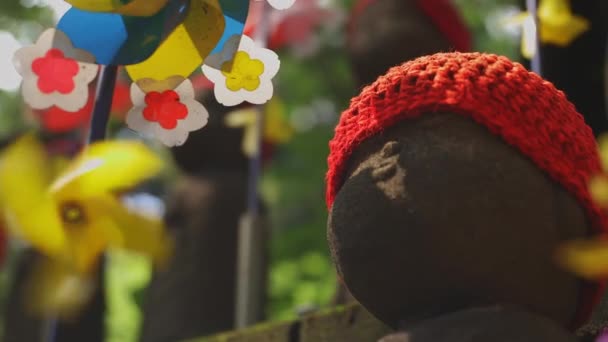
(313, 90)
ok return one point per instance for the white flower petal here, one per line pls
(227, 97)
(197, 118)
(260, 95)
(185, 90)
(214, 75)
(271, 62)
(247, 44)
(23, 59)
(138, 97)
(173, 137)
(281, 4)
(136, 121)
(74, 101)
(32, 95)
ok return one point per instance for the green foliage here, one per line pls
(24, 22)
(127, 275)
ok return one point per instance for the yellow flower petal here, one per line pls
(588, 259)
(110, 166)
(242, 72)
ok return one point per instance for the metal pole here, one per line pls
(103, 103)
(535, 64)
(98, 128)
(251, 278)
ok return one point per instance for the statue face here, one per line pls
(437, 215)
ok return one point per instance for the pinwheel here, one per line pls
(277, 129)
(72, 219)
(160, 43)
(556, 25)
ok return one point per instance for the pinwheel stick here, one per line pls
(103, 103)
(251, 276)
(97, 132)
(532, 8)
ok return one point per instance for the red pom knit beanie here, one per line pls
(441, 12)
(526, 111)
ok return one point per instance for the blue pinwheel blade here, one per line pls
(116, 39)
(235, 15)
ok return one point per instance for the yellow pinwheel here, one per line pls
(589, 258)
(74, 218)
(558, 25)
(277, 129)
(556, 22)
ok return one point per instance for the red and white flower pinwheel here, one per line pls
(52, 75)
(165, 112)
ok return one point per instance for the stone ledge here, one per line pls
(350, 323)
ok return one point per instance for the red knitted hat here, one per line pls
(526, 111)
(441, 12)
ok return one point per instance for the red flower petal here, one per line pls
(55, 72)
(164, 108)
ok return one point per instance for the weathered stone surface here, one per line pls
(348, 324)
(266, 332)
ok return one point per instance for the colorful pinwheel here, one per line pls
(160, 43)
(72, 219)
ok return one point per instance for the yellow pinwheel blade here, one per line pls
(598, 187)
(53, 289)
(41, 226)
(586, 258)
(142, 8)
(108, 166)
(603, 150)
(558, 25)
(24, 173)
(187, 46)
(133, 231)
(29, 210)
